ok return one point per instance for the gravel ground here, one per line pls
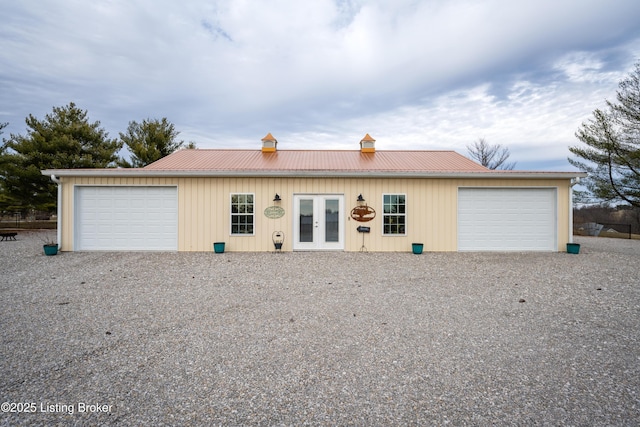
(320, 338)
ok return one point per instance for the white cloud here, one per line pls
(424, 74)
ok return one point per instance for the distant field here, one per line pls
(611, 234)
(28, 225)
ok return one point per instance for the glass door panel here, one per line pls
(306, 220)
(331, 220)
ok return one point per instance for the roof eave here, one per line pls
(121, 173)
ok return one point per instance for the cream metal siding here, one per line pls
(204, 217)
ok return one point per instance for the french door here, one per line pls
(318, 222)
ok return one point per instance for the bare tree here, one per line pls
(490, 156)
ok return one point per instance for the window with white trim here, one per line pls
(242, 213)
(394, 214)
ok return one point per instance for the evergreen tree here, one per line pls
(65, 139)
(611, 146)
(149, 141)
(3, 149)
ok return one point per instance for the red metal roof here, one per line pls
(315, 161)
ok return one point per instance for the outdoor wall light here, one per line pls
(360, 198)
(277, 198)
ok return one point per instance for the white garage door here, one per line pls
(507, 219)
(136, 218)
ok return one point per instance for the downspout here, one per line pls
(573, 182)
(59, 210)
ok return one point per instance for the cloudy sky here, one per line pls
(415, 74)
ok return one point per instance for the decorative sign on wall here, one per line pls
(363, 213)
(274, 212)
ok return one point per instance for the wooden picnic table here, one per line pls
(8, 236)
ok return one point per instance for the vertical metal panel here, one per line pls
(67, 213)
(203, 205)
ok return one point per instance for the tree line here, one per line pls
(618, 217)
(67, 139)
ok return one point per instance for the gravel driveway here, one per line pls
(320, 338)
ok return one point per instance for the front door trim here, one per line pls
(318, 236)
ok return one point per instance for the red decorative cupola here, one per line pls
(367, 144)
(269, 143)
